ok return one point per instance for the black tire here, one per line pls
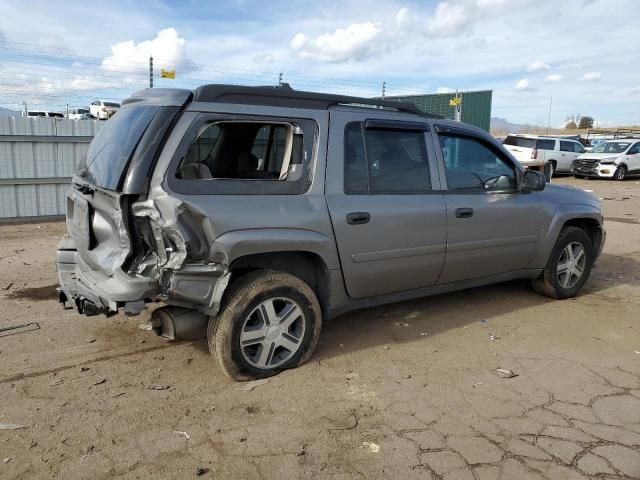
(547, 283)
(620, 173)
(578, 176)
(242, 298)
(548, 171)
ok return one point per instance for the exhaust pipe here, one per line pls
(176, 323)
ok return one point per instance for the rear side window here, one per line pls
(520, 142)
(566, 146)
(112, 147)
(545, 144)
(239, 150)
(385, 161)
(111, 104)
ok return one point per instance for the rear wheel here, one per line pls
(620, 173)
(270, 322)
(568, 267)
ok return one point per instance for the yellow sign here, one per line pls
(454, 102)
(168, 73)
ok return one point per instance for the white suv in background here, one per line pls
(103, 110)
(611, 159)
(551, 155)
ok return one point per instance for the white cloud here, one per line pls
(635, 91)
(405, 19)
(444, 90)
(591, 76)
(448, 20)
(356, 42)
(553, 78)
(523, 86)
(537, 67)
(167, 50)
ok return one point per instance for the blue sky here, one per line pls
(584, 53)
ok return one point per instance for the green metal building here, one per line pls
(476, 106)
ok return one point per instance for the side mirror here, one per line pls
(532, 180)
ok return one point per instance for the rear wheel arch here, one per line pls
(307, 266)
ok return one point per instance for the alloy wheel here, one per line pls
(571, 265)
(272, 333)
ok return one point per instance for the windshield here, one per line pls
(111, 104)
(611, 147)
(520, 142)
(113, 145)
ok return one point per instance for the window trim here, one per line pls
(491, 144)
(377, 124)
(239, 186)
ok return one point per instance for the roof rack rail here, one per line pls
(285, 96)
(618, 133)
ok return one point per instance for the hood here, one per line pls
(560, 194)
(597, 156)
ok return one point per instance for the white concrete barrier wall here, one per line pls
(38, 157)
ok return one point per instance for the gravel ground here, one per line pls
(402, 391)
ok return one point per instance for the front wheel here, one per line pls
(568, 267)
(271, 321)
(620, 173)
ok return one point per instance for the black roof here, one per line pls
(285, 96)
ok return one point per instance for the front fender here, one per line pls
(552, 225)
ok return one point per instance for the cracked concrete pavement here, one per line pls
(402, 391)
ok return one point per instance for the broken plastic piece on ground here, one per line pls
(184, 434)
(504, 373)
(248, 386)
(373, 448)
(400, 324)
(11, 426)
(155, 386)
(201, 471)
(494, 337)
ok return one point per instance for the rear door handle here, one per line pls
(358, 218)
(464, 212)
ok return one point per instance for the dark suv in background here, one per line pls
(264, 211)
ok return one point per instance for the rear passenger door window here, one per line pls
(472, 164)
(382, 160)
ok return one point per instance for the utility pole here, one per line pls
(384, 89)
(549, 114)
(25, 108)
(458, 111)
(280, 79)
(150, 72)
(67, 110)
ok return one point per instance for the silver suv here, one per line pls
(265, 211)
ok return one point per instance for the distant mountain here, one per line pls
(502, 124)
(5, 112)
